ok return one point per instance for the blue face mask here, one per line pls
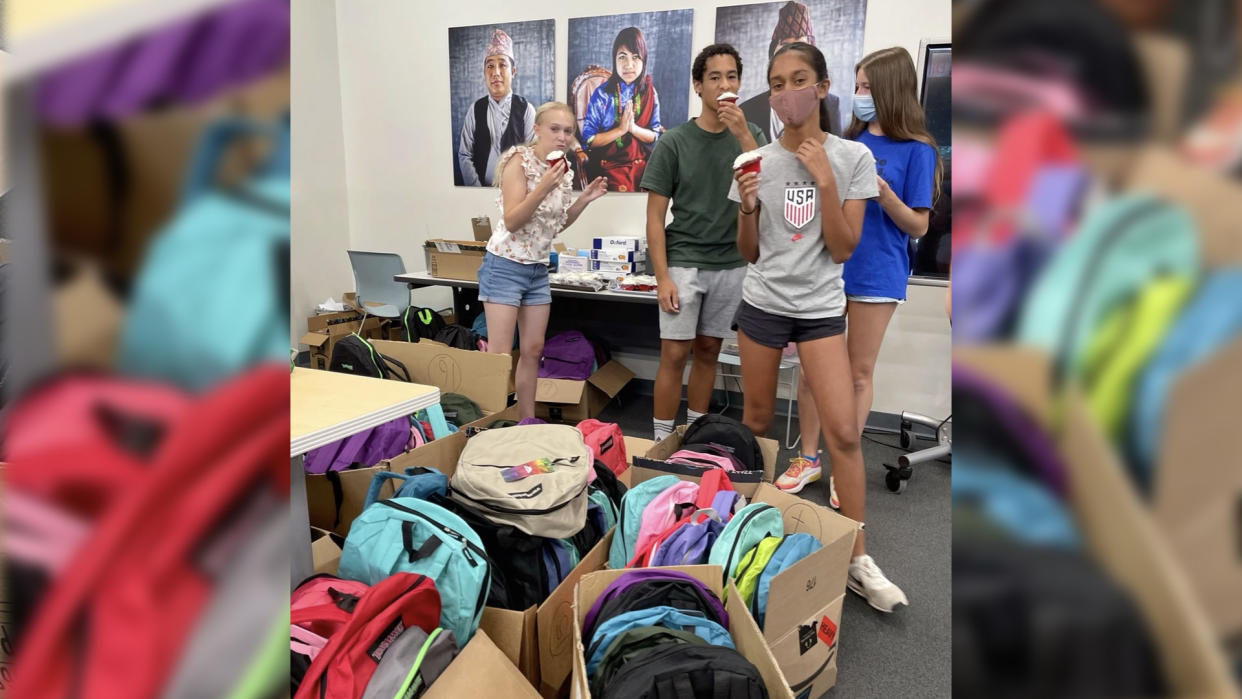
(864, 107)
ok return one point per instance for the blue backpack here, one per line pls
(417, 482)
(630, 520)
(793, 549)
(1208, 322)
(212, 297)
(668, 617)
(407, 535)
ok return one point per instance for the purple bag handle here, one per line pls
(641, 575)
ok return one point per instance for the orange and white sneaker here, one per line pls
(832, 494)
(800, 472)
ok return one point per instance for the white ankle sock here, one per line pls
(691, 416)
(663, 428)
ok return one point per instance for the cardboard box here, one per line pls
(649, 464)
(617, 255)
(607, 267)
(480, 376)
(567, 262)
(454, 259)
(1116, 528)
(742, 629)
(620, 242)
(563, 400)
(324, 330)
(480, 670)
(482, 227)
(325, 550)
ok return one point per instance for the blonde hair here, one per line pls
(540, 114)
(894, 87)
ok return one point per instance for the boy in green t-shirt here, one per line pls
(695, 257)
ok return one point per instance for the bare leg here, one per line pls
(760, 367)
(867, 323)
(673, 356)
(703, 373)
(826, 364)
(532, 326)
(808, 417)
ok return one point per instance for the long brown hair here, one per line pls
(894, 87)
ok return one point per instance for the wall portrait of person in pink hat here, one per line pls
(760, 29)
(516, 64)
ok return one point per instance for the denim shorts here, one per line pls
(512, 283)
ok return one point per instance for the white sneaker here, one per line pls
(800, 472)
(868, 581)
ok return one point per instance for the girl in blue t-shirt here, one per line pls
(888, 120)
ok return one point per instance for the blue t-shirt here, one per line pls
(880, 264)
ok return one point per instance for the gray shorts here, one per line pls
(708, 299)
(776, 331)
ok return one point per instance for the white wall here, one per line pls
(320, 213)
(393, 84)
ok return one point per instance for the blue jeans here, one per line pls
(512, 283)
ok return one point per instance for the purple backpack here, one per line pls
(368, 448)
(634, 577)
(568, 355)
(725, 503)
(691, 543)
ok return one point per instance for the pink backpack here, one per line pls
(670, 506)
(699, 459)
(606, 442)
(316, 607)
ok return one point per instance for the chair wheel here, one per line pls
(905, 439)
(897, 477)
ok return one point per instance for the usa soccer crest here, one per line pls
(799, 205)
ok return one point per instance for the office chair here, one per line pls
(378, 294)
(899, 475)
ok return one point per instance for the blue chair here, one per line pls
(377, 293)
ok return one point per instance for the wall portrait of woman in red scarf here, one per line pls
(621, 111)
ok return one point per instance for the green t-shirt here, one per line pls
(694, 168)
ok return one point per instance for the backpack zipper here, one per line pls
(740, 526)
(511, 511)
(1069, 328)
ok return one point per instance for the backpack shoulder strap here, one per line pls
(393, 363)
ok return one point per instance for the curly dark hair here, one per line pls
(700, 61)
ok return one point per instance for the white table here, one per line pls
(326, 406)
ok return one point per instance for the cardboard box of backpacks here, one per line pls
(803, 618)
(742, 629)
(324, 330)
(536, 640)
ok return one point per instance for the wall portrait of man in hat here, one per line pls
(516, 64)
(758, 30)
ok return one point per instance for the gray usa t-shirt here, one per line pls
(795, 275)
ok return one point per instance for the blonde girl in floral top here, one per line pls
(536, 203)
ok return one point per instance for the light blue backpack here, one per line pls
(749, 526)
(417, 482)
(668, 617)
(212, 297)
(1210, 321)
(630, 520)
(793, 549)
(407, 535)
(1119, 248)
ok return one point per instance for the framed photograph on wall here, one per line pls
(757, 30)
(499, 74)
(628, 81)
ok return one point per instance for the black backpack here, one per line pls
(519, 574)
(728, 433)
(666, 592)
(633, 643)
(458, 336)
(418, 323)
(607, 483)
(679, 671)
(354, 355)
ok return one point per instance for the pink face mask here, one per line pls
(795, 106)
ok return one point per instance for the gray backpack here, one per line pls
(533, 477)
(413, 662)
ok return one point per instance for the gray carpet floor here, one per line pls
(906, 653)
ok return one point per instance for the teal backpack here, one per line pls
(1119, 248)
(407, 535)
(212, 297)
(630, 519)
(605, 503)
(1209, 321)
(749, 526)
(794, 548)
